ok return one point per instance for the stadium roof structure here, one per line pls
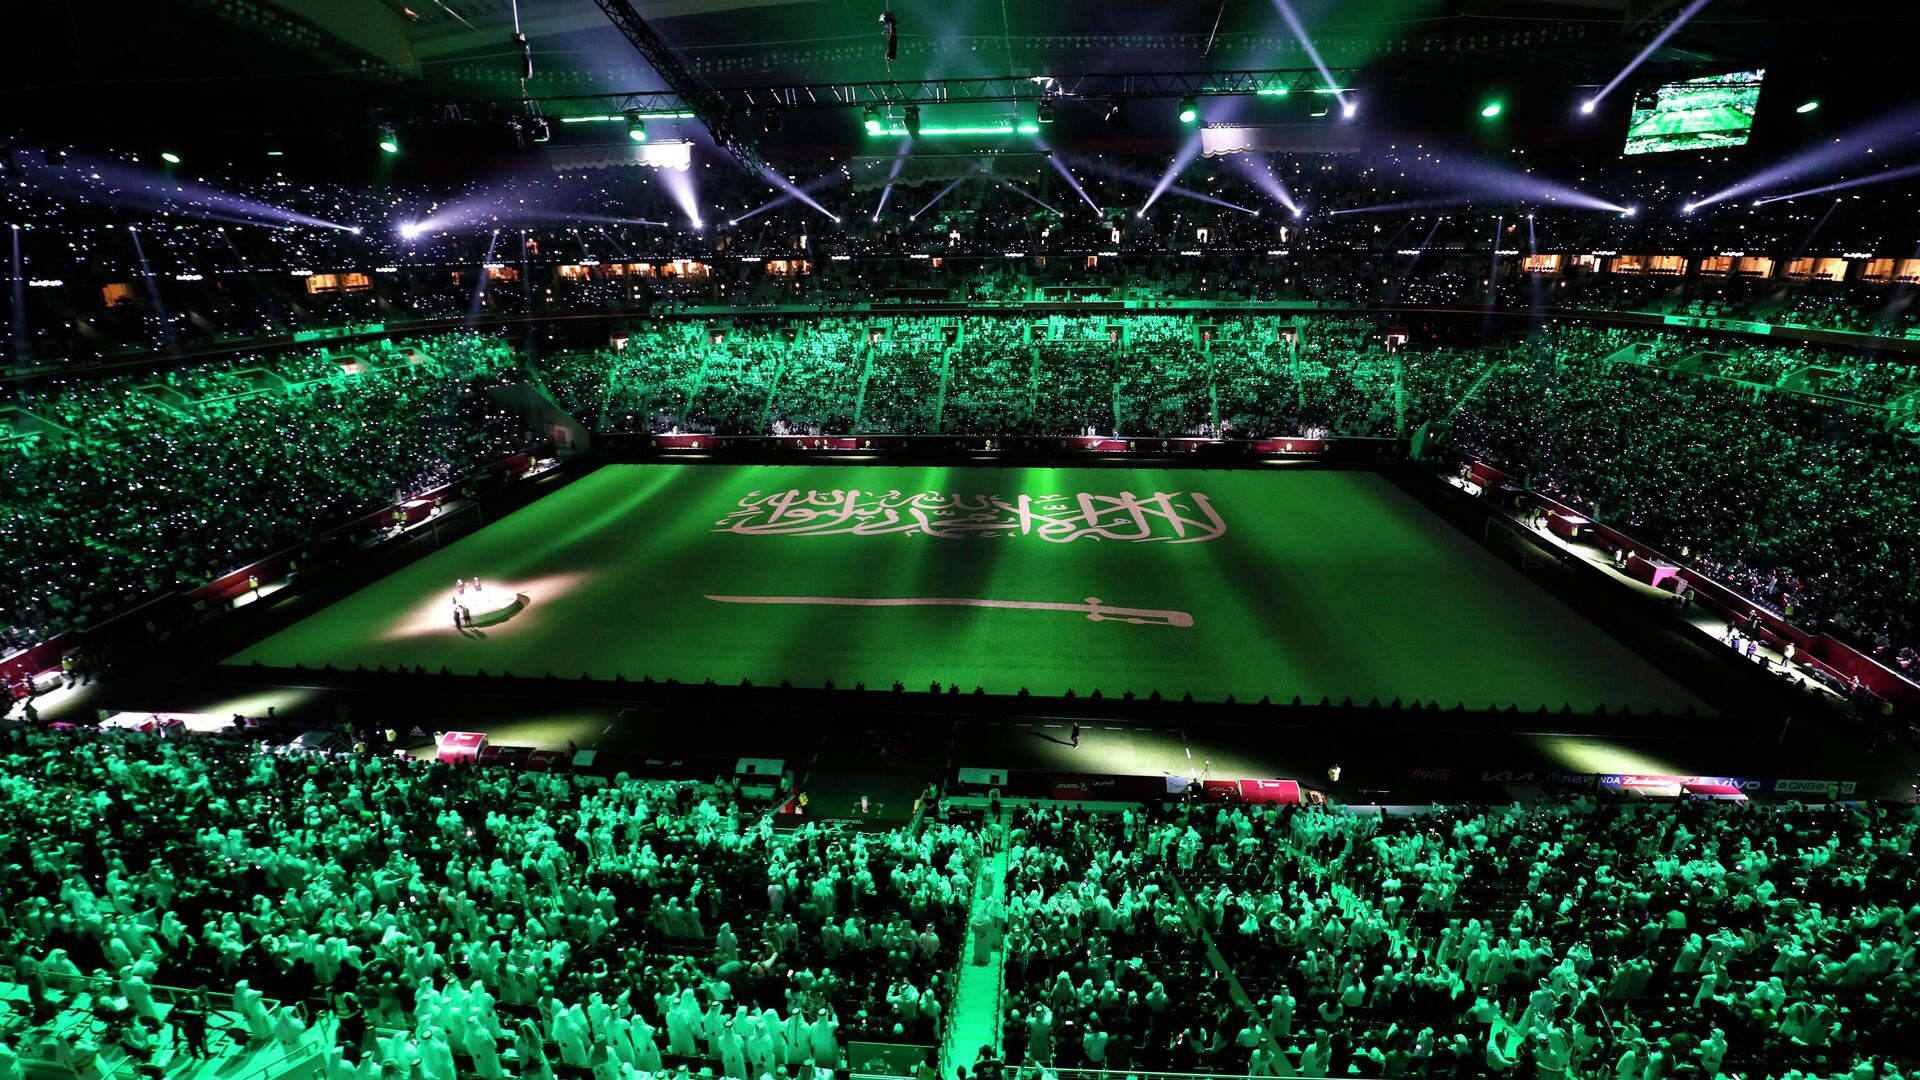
(224, 69)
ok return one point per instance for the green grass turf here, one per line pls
(1325, 584)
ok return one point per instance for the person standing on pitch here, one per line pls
(1073, 736)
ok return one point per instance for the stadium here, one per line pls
(809, 539)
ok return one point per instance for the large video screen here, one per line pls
(1699, 114)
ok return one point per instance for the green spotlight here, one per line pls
(1808, 107)
(1490, 110)
(170, 157)
(873, 120)
(1189, 110)
(389, 140)
(636, 127)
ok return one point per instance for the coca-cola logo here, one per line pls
(1432, 774)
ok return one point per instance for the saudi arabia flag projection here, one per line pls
(1249, 583)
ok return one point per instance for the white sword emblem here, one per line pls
(1093, 607)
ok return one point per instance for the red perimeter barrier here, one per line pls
(45, 656)
(1094, 443)
(1651, 565)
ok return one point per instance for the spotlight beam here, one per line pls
(680, 186)
(799, 193)
(1067, 174)
(1409, 204)
(1313, 53)
(1807, 241)
(1477, 181)
(1894, 130)
(1029, 196)
(1188, 151)
(1265, 181)
(115, 184)
(944, 192)
(1845, 185)
(1653, 46)
(761, 209)
(1197, 196)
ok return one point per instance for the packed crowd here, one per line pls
(125, 487)
(1805, 505)
(1134, 376)
(467, 922)
(255, 255)
(1744, 459)
(1569, 939)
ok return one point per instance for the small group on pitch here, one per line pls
(461, 616)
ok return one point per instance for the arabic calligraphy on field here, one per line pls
(1178, 517)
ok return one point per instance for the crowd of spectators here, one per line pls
(404, 916)
(1568, 939)
(467, 922)
(122, 487)
(1784, 469)
(1804, 505)
(122, 254)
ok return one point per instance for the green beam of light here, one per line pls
(1022, 128)
(643, 116)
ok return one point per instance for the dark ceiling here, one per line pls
(314, 73)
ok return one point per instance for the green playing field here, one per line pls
(1309, 583)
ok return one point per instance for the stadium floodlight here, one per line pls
(1807, 108)
(1001, 127)
(1189, 109)
(1348, 109)
(1044, 114)
(1490, 110)
(389, 140)
(1587, 107)
(636, 127)
(170, 157)
(873, 120)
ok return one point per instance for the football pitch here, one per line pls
(1316, 584)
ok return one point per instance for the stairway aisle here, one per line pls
(976, 1000)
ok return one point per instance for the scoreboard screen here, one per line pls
(1698, 114)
